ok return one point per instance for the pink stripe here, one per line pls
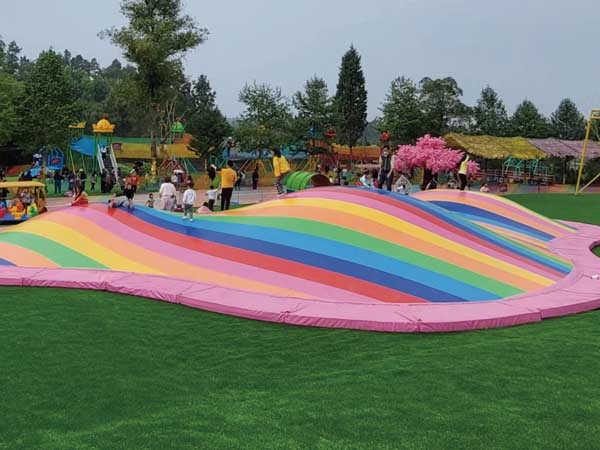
(213, 263)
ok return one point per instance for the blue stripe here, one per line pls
(308, 249)
(513, 246)
(461, 221)
(494, 218)
(4, 262)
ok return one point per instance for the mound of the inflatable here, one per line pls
(326, 257)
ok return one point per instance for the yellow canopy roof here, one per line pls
(491, 147)
(103, 126)
(20, 184)
(142, 151)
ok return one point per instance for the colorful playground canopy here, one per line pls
(492, 147)
(562, 148)
(129, 148)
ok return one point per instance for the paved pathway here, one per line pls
(243, 197)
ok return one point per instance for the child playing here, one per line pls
(150, 201)
(129, 192)
(403, 185)
(189, 198)
(93, 180)
(79, 197)
(212, 197)
(117, 201)
(366, 180)
(204, 209)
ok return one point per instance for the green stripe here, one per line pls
(366, 242)
(55, 252)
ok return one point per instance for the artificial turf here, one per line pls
(93, 370)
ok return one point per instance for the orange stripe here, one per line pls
(23, 257)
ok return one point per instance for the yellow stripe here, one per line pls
(403, 226)
(104, 255)
(83, 244)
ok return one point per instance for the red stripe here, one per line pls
(268, 262)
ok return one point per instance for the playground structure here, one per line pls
(517, 170)
(594, 116)
(54, 161)
(298, 181)
(330, 257)
(96, 152)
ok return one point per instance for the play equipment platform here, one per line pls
(329, 257)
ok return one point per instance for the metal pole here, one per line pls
(585, 144)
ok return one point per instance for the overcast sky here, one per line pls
(543, 50)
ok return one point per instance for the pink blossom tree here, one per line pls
(432, 155)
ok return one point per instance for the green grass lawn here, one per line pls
(92, 370)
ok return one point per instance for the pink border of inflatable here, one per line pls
(577, 292)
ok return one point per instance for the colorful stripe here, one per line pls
(340, 244)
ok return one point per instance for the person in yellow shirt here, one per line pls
(463, 171)
(228, 178)
(281, 168)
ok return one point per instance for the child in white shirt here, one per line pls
(189, 198)
(403, 185)
(212, 197)
(366, 180)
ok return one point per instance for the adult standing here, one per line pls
(386, 168)
(463, 170)
(228, 179)
(58, 178)
(255, 177)
(167, 193)
(212, 173)
(281, 168)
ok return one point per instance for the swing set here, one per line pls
(594, 116)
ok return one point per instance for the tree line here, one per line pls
(150, 91)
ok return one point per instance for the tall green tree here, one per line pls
(13, 51)
(204, 120)
(528, 122)
(10, 92)
(567, 121)
(48, 104)
(267, 118)
(315, 108)
(350, 100)
(157, 36)
(125, 106)
(442, 106)
(490, 114)
(2, 55)
(402, 111)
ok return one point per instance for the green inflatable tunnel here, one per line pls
(297, 181)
